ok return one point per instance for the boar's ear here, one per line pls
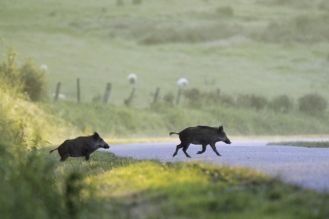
(96, 135)
(221, 128)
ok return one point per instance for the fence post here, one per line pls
(58, 87)
(78, 90)
(131, 97)
(156, 95)
(107, 93)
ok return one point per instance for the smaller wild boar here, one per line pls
(201, 135)
(81, 146)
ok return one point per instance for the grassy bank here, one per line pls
(309, 144)
(158, 121)
(126, 188)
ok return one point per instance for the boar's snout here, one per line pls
(227, 141)
(106, 146)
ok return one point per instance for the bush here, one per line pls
(282, 104)
(194, 97)
(29, 78)
(252, 101)
(312, 103)
(33, 81)
(9, 71)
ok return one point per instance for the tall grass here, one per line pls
(162, 118)
(27, 186)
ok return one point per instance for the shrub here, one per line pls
(29, 78)
(194, 97)
(8, 69)
(251, 101)
(281, 104)
(312, 103)
(33, 81)
(27, 186)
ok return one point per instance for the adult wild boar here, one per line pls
(201, 135)
(81, 146)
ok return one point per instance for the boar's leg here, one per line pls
(87, 156)
(64, 157)
(204, 146)
(213, 146)
(177, 148)
(185, 147)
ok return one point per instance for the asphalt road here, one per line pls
(307, 167)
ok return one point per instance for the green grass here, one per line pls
(119, 121)
(309, 144)
(100, 42)
(126, 188)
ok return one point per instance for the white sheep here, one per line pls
(132, 78)
(182, 82)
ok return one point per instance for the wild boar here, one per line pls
(200, 135)
(81, 146)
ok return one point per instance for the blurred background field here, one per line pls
(248, 63)
(268, 47)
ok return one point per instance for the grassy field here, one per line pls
(268, 47)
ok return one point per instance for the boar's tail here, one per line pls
(171, 133)
(53, 150)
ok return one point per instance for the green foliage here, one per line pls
(162, 118)
(309, 144)
(33, 81)
(28, 186)
(150, 189)
(281, 104)
(29, 79)
(312, 103)
(252, 101)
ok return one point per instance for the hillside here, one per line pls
(269, 47)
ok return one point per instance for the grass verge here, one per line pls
(309, 144)
(125, 188)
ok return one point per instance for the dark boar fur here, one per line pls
(201, 135)
(81, 146)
